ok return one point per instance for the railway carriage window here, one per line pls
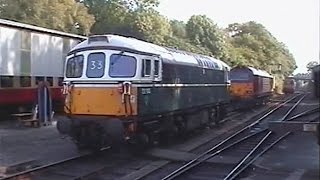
(156, 67)
(25, 81)
(122, 66)
(50, 80)
(74, 67)
(39, 79)
(146, 68)
(96, 65)
(6, 81)
(60, 81)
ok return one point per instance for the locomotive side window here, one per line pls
(25, 81)
(74, 67)
(6, 81)
(122, 66)
(146, 67)
(96, 65)
(156, 67)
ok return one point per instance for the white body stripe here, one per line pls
(151, 85)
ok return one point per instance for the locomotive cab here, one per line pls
(107, 73)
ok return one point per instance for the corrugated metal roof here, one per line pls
(19, 25)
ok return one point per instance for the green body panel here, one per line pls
(158, 100)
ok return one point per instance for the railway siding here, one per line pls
(157, 162)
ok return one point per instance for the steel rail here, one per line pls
(188, 165)
(276, 141)
(218, 152)
(259, 155)
(248, 155)
(305, 113)
(293, 108)
(265, 150)
(48, 165)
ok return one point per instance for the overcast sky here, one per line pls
(294, 22)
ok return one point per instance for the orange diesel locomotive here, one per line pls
(250, 85)
(289, 85)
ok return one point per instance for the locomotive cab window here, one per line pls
(122, 66)
(96, 65)
(146, 68)
(74, 67)
(156, 67)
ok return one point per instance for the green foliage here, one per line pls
(64, 15)
(178, 29)
(184, 44)
(112, 16)
(151, 26)
(240, 44)
(253, 43)
(203, 31)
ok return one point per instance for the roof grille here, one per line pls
(98, 38)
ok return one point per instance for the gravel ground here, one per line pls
(19, 144)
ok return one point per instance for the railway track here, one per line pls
(243, 147)
(84, 167)
(114, 167)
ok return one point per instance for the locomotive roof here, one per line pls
(169, 55)
(254, 71)
(19, 25)
(258, 72)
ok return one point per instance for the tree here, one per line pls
(178, 29)
(64, 15)
(112, 16)
(203, 31)
(151, 26)
(311, 64)
(259, 48)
